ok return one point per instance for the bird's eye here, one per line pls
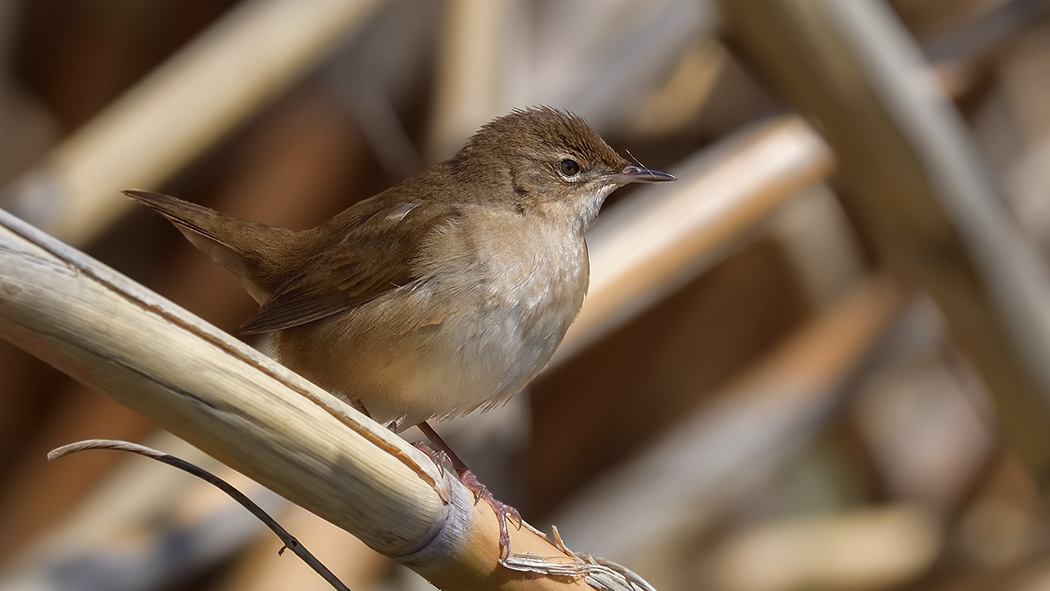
(569, 167)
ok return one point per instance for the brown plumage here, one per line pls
(445, 293)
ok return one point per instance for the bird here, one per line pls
(444, 294)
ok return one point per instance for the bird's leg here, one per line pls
(443, 455)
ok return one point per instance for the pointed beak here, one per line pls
(634, 173)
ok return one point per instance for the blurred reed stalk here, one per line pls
(914, 179)
(223, 77)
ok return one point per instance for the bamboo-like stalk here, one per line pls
(918, 186)
(179, 111)
(253, 414)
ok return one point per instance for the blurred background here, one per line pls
(759, 394)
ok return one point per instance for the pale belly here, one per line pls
(439, 350)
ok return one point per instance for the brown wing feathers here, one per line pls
(294, 287)
(254, 253)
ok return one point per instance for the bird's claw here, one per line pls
(501, 509)
(480, 492)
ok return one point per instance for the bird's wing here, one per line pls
(367, 258)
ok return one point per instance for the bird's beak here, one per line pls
(634, 173)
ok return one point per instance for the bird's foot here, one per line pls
(480, 492)
(501, 509)
(438, 456)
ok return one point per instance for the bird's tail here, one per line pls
(252, 252)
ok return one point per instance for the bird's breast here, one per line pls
(512, 298)
(538, 271)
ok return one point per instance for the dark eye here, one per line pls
(569, 167)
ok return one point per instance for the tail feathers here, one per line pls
(254, 253)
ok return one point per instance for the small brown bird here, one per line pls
(447, 292)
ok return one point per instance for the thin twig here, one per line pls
(289, 540)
